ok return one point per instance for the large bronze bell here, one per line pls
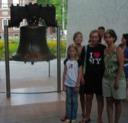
(33, 45)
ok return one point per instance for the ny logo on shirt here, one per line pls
(95, 57)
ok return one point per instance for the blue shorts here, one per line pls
(126, 71)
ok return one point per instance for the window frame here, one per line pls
(4, 4)
(4, 22)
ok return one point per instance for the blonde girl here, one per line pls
(71, 80)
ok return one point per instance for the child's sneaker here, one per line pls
(67, 121)
(73, 121)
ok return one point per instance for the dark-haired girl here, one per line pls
(78, 38)
(93, 75)
(124, 46)
(114, 85)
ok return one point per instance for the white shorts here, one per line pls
(109, 91)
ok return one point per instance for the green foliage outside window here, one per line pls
(59, 4)
(14, 43)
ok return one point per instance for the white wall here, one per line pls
(86, 15)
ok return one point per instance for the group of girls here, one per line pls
(95, 69)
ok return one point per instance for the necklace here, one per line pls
(110, 49)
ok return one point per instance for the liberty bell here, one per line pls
(32, 45)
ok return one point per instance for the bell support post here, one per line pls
(58, 61)
(7, 61)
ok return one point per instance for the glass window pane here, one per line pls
(4, 3)
(15, 2)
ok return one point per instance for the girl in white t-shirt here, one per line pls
(71, 80)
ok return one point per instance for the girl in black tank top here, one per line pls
(93, 75)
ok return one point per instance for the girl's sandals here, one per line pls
(63, 118)
(85, 120)
(99, 121)
(67, 121)
(73, 121)
(82, 114)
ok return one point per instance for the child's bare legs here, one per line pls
(109, 107)
(100, 106)
(82, 101)
(118, 110)
(88, 104)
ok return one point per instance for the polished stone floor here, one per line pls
(34, 98)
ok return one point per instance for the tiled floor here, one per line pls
(28, 104)
(47, 112)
